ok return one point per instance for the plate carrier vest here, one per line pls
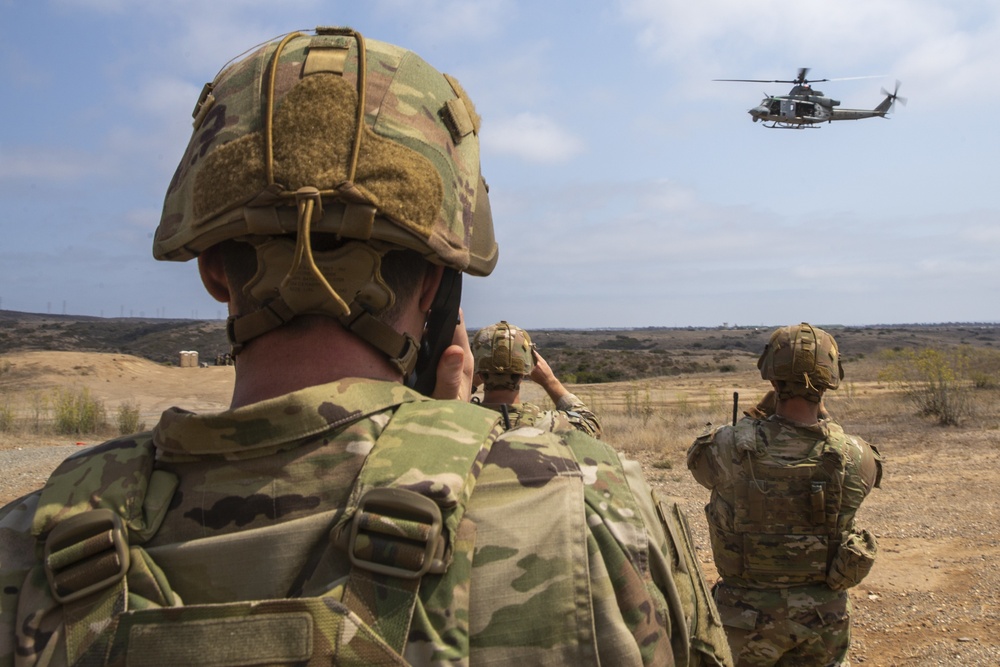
(784, 529)
(118, 607)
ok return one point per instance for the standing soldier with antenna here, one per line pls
(785, 491)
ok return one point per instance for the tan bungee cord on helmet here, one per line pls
(803, 360)
(503, 354)
(334, 137)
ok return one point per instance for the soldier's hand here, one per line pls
(454, 371)
(542, 372)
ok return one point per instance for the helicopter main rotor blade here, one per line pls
(855, 78)
(758, 80)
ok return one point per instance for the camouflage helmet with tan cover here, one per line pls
(502, 349)
(803, 360)
(330, 133)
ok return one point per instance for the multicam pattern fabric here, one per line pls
(805, 625)
(570, 413)
(561, 557)
(417, 166)
(804, 357)
(503, 349)
(773, 608)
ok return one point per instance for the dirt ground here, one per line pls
(932, 598)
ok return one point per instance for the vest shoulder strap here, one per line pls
(404, 519)
(405, 514)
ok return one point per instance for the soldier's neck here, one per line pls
(291, 358)
(799, 410)
(497, 396)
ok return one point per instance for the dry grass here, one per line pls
(658, 418)
(932, 598)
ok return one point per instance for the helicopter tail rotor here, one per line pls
(892, 98)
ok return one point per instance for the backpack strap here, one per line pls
(405, 512)
(94, 512)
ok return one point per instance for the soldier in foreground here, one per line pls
(332, 195)
(504, 355)
(785, 490)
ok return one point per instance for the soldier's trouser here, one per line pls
(807, 626)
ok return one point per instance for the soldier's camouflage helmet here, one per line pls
(332, 134)
(804, 359)
(503, 348)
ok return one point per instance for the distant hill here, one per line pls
(159, 340)
(576, 355)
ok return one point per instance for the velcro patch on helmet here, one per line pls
(330, 59)
(460, 114)
(313, 134)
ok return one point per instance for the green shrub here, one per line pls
(128, 419)
(936, 381)
(981, 380)
(6, 418)
(77, 412)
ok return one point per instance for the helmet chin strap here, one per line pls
(439, 332)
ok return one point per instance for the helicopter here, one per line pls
(805, 106)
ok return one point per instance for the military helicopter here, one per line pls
(804, 106)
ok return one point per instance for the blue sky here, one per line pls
(628, 188)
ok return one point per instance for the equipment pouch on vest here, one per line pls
(853, 561)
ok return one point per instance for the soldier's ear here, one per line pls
(429, 286)
(213, 274)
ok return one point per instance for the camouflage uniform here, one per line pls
(564, 555)
(348, 521)
(781, 607)
(504, 355)
(570, 413)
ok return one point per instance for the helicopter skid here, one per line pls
(779, 125)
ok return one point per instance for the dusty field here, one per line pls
(932, 598)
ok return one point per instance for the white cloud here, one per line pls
(532, 137)
(938, 49)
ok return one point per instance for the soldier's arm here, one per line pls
(701, 460)
(580, 415)
(676, 571)
(863, 470)
(17, 556)
(543, 376)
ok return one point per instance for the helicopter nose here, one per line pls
(758, 112)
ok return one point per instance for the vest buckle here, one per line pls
(86, 553)
(398, 533)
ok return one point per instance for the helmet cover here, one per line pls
(503, 348)
(286, 117)
(804, 358)
(331, 134)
